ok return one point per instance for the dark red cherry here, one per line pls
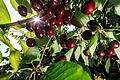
(71, 43)
(63, 45)
(65, 2)
(59, 22)
(30, 42)
(114, 44)
(50, 31)
(39, 34)
(88, 7)
(37, 5)
(55, 2)
(101, 53)
(86, 52)
(53, 21)
(48, 9)
(87, 34)
(29, 27)
(60, 57)
(67, 16)
(22, 10)
(60, 11)
(92, 25)
(63, 37)
(110, 52)
(37, 27)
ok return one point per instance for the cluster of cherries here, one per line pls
(55, 13)
(66, 43)
(110, 51)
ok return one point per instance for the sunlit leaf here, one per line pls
(69, 54)
(4, 14)
(23, 45)
(93, 43)
(80, 17)
(66, 71)
(14, 59)
(107, 65)
(77, 52)
(0, 56)
(117, 51)
(56, 47)
(100, 4)
(5, 40)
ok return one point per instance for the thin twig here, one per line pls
(44, 51)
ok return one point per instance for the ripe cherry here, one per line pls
(37, 5)
(53, 21)
(63, 37)
(63, 45)
(110, 51)
(92, 25)
(22, 10)
(67, 16)
(88, 7)
(29, 27)
(71, 43)
(86, 52)
(55, 2)
(60, 57)
(37, 27)
(39, 34)
(50, 31)
(114, 44)
(65, 2)
(30, 42)
(59, 22)
(48, 9)
(87, 34)
(60, 11)
(101, 53)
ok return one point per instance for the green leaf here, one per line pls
(23, 45)
(41, 42)
(69, 54)
(0, 56)
(107, 65)
(5, 40)
(31, 54)
(14, 59)
(16, 3)
(80, 17)
(112, 3)
(116, 4)
(77, 52)
(56, 47)
(116, 35)
(100, 4)
(93, 43)
(117, 51)
(4, 14)
(5, 76)
(117, 11)
(64, 70)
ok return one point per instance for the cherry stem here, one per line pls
(44, 52)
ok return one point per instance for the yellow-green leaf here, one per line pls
(0, 56)
(4, 14)
(14, 59)
(23, 45)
